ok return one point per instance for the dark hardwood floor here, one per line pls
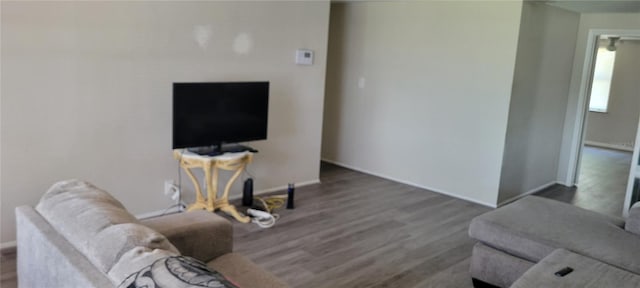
(358, 230)
(602, 182)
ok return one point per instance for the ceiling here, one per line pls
(597, 6)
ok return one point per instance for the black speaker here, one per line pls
(247, 193)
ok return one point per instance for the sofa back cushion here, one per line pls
(79, 210)
(95, 223)
(633, 221)
(135, 260)
(108, 246)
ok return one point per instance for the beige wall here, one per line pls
(538, 100)
(419, 92)
(86, 91)
(571, 134)
(618, 126)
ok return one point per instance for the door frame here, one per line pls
(578, 135)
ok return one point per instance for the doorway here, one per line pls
(610, 126)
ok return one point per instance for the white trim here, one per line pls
(8, 245)
(578, 137)
(174, 210)
(565, 184)
(408, 183)
(633, 170)
(532, 191)
(578, 126)
(609, 146)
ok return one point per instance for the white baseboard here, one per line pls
(565, 184)
(609, 146)
(532, 191)
(173, 210)
(8, 245)
(409, 183)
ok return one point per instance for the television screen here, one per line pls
(206, 114)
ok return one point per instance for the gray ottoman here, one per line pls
(524, 232)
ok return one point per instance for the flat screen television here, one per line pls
(209, 114)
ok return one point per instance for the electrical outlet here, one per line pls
(169, 187)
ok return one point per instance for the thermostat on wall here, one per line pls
(304, 57)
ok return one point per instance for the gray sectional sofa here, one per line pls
(80, 236)
(521, 242)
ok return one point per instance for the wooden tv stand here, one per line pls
(211, 165)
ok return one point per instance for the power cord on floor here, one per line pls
(272, 202)
(266, 218)
(262, 218)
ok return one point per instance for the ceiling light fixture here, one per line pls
(612, 43)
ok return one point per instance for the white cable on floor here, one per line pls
(262, 218)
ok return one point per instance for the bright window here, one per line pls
(601, 84)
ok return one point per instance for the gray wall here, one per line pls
(538, 100)
(419, 92)
(617, 127)
(86, 91)
(571, 134)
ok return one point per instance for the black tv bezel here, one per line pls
(218, 144)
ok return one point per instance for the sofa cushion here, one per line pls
(95, 223)
(200, 234)
(112, 242)
(65, 190)
(633, 221)
(78, 210)
(533, 227)
(244, 272)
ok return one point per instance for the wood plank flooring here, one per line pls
(358, 230)
(602, 182)
(8, 278)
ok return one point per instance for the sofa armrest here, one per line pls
(199, 234)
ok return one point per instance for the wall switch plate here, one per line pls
(304, 57)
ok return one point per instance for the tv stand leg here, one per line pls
(200, 201)
(197, 206)
(231, 211)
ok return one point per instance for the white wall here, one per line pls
(86, 91)
(539, 99)
(617, 127)
(572, 129)
(419, 92)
